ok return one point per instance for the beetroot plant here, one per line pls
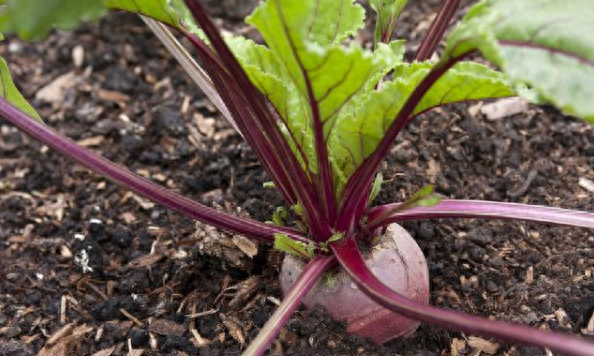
(321, 112)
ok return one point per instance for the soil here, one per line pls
(87, 268)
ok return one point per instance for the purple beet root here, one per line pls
(397, 261)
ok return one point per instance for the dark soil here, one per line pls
(145, 273)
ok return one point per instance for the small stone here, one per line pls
(426, 230)
(480, 235)
(121, 237)
(504, 108)
(492, 287)
(139, 338)
(10, 331)
(291, 338)
(12, 348)
(96, 228)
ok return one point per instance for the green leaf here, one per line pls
(32, 19)
(286, 244)
(331, 281)
(388, 12)
(160, 10)
(288, 23)
(305, 40)
(376, 187)
(269, 185)
(279, 216)
(546, 44)
(9, 91)
(359, 132)
(423, 197)
(336, 237)
(171, 12)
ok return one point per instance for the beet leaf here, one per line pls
(10, 92)
(359, 132)
(32, 19)
(544, 43)
(387, 13)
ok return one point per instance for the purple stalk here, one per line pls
(255, 138)
(387, 35)
(306, 281)
(139, 185)
(264, 118)
(204, 81)
(477, 209)
(326, 183)
(188, 63)
(249, 127)
(437, 30)
(353, 202)
(350, 258)
(231, 95)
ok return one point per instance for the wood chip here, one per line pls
(198, 315)
(198, 340)
(245, 290)
(128, 217)
(205, 125)
(562, 318)
(113, 96)
(482, 345)
(166, 327)
(153, 342)
(99, 333)
(185, 104)
(132, 351)
(119, 328)
(105, 352)
(457, 347)
(589, 329)
(246, 245)
(586, 184)
(60, 333)
(78, 56)
(55, 91)
(63, 309)
(65, 251)
(234, 327)
(94, 141)
(529, 275)
(131, 317)
(504, 108)
(97, 291)
(145, 260)
(65, 341)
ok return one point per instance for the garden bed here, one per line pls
(147, 270)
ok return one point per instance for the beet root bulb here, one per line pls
(397, 261)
